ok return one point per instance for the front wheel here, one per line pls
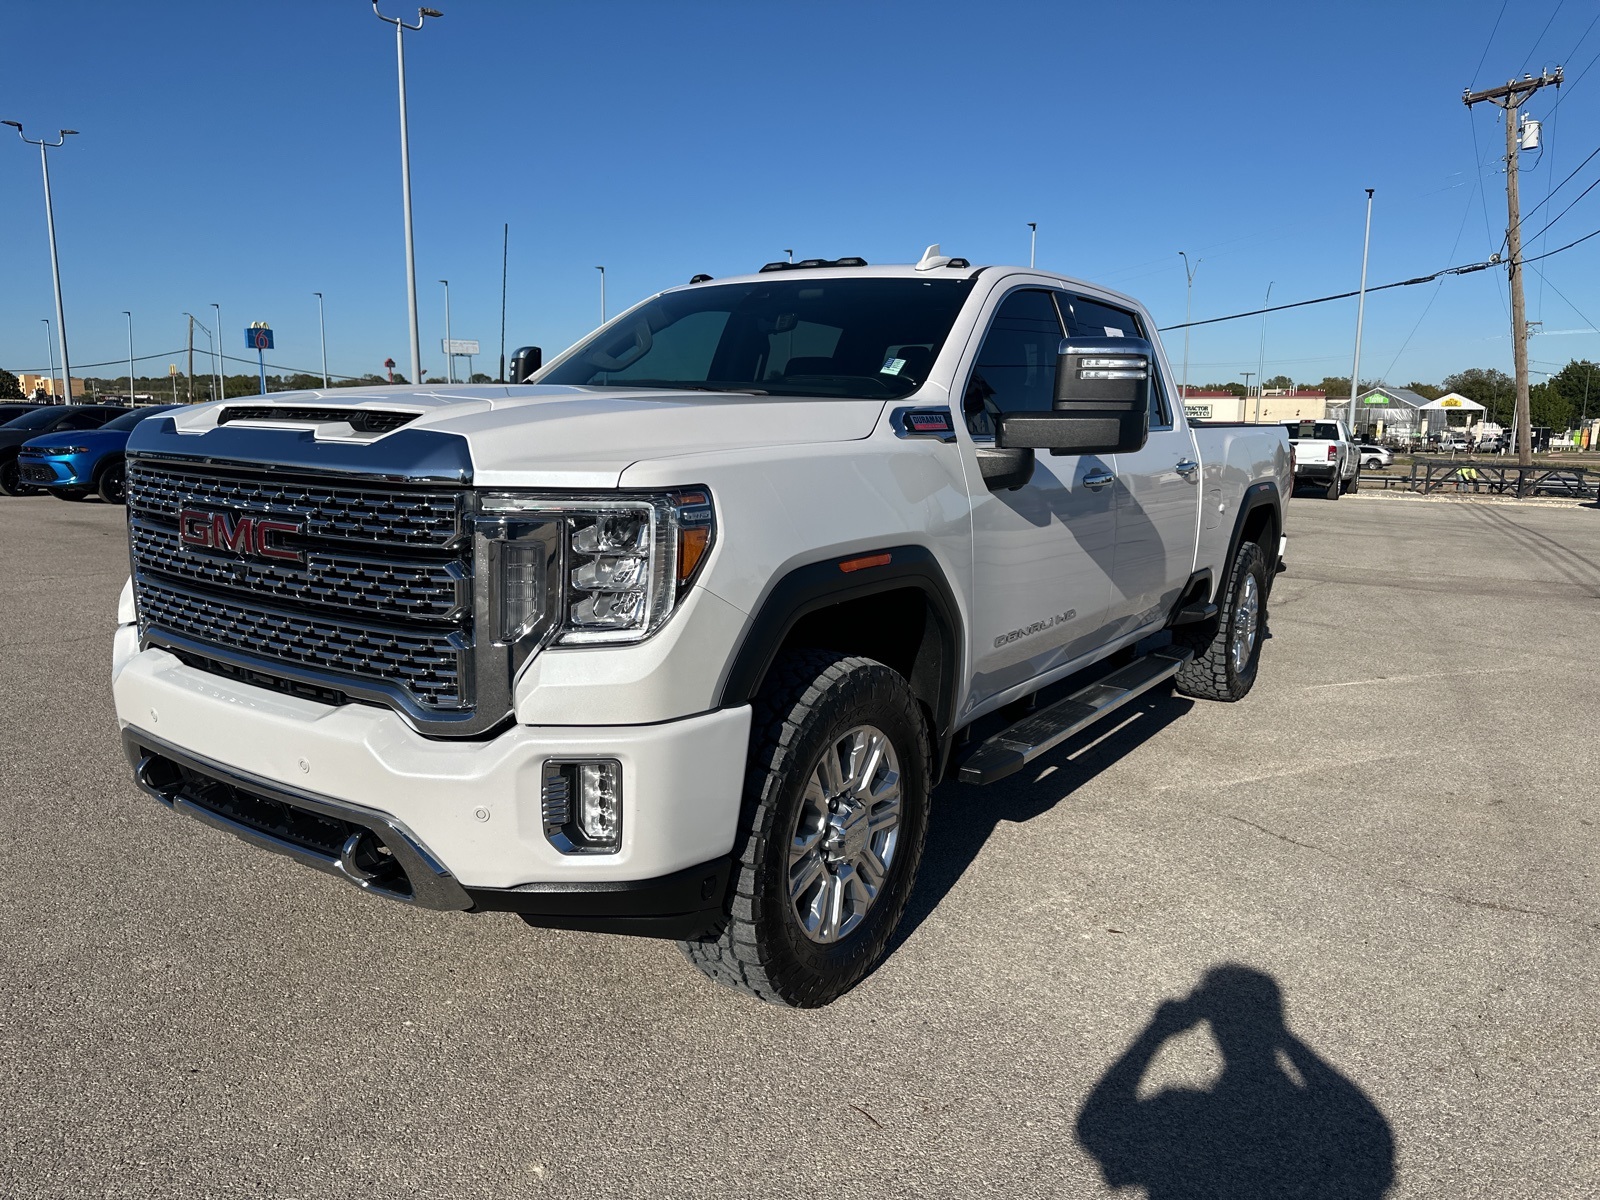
(112, 484)
(11, 479)
(836, 814)
(1227, 649)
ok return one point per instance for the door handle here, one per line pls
(1188, 468)
(1098, 479)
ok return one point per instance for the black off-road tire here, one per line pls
(1212, 674)
(810, 700)
(112, 483)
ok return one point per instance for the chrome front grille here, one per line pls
(427, 664)
(426, 590)
(376, 599)
(353, 511)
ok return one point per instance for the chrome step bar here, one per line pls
(1014, 747)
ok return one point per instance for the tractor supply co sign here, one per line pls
(1197, 412)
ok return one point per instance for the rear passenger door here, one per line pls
(1156, 498)
(1042, 553)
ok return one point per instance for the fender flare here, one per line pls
(819, 585)
(1262, 494)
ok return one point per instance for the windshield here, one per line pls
(871, 339)
(39, 418)
(129, 419)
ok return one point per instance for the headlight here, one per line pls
(57, 451)
(602, 570)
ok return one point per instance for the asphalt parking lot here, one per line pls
(1398, 832)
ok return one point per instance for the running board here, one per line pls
(1014, 747)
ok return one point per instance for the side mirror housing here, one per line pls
(1102, 401)
(525, 362)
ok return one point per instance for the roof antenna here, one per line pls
(932, 259)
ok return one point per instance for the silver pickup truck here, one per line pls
(677, 637)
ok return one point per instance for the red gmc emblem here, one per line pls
(245, 535)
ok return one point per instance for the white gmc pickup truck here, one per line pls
(677, 638)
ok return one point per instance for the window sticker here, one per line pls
(1110, 332)
(892, 366)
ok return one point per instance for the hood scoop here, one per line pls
(360, 420)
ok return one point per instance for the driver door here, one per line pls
(1042, 553)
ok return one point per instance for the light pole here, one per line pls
(449, 350)
(790, 253)
(602, 271)
(322, 332)
(1033, 240)
(1261, 361)
(129, 315)
(210, 341)
(50, 348)
(50, 225)
(1361, 311)
(1248, 375)
(1187, 304)
(222, 378)
(400, 28)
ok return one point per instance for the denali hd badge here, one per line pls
(1036, 627)
(244, 534)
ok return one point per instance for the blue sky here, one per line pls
(247, 154)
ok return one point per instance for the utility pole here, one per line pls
(1361, 312)
(1248, 375)
(1511, 96)
(1188, 298)
(1261, 362)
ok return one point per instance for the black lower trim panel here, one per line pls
(685, 904)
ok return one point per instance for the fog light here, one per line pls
(582, 802)
(600, 801)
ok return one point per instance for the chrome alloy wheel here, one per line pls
(1246, 618)
(845, 834)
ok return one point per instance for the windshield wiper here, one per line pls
(678, 386)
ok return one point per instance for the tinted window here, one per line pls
(39, 418)
(88, 418)
(870, 338)
(129, 419)
(1016, 368)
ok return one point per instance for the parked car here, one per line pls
(1325, 455)
(74, 464)
(47, 419)
(678, 638)
(1490, 445)
(13, 409)
(1375, 458)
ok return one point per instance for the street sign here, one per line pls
(258, 337)
(460, 346)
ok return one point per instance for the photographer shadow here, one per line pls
(1277, 1122)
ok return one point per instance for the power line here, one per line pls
(1539, 39)
(1490, 42)
(1568, 208)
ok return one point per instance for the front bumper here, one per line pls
(70, 471)
(469, 812)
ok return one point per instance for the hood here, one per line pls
(95, 439)
(569, 436)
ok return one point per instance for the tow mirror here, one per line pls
(525, 362)
(1102, 401)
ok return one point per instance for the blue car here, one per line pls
(72, 464)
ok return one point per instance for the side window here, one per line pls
(1016, 368)
(1090, 318)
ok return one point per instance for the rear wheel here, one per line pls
(836, 813)
(1227, 649)
(1335, 489)
(112, 481)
